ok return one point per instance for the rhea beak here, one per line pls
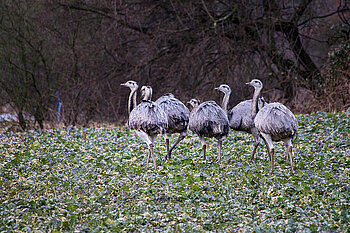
(123, 84)
(248, 84)
(217, 88)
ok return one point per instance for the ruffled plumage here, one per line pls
(149, 118)
(276, 120)
(209, 120)
(177, 113)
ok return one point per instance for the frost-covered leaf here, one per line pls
(97, 179)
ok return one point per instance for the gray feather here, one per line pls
(178, 114)
(149, 118)
(276, 120)
(240, 117)
(209, 120)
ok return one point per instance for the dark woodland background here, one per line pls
(85, 49)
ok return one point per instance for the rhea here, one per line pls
(208, 119)
(240, 116)
(275, 122)
(147, 119)
(178, 117)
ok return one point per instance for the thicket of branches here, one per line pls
(85, 49)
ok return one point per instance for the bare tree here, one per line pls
(85, 49)
(26, 76)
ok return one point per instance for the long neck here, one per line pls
(132, 100)
(225, 101)
(148, 96)
(256, 95)
(194, 106)
(261, 103)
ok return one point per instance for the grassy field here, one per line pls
(97, 179)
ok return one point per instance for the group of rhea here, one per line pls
(168, 115)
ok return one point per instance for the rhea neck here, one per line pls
(194, 104)
(225, 101)
(132, 99)
(147, 94)
(255, 105)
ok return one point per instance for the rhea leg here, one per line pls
(255, 133)
(289, 151)
(204, 146)
(149, 139)
(270, 148)
(291, 157)
(180, 138)
(148, 154)
(152, 153)
(219, 147)
(166, 137)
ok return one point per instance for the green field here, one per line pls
(97, 179)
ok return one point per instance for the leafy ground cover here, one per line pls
(97, 179)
